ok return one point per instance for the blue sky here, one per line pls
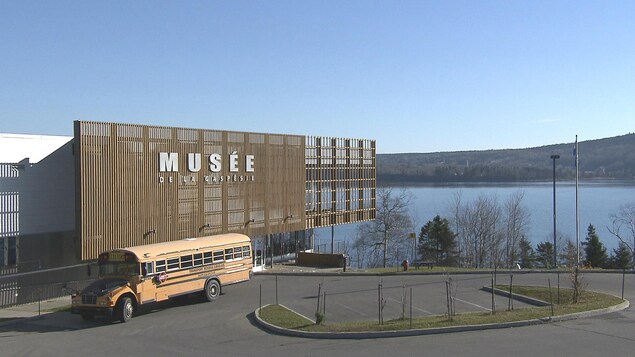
(417, 76)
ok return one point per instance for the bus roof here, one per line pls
(185, 245)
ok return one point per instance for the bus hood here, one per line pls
(104, 286)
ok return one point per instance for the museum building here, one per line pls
(115, 185)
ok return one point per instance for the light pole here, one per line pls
(332, 237)
(284, 227)
(555, 251)
(334, 215)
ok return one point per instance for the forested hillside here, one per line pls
(610, 158)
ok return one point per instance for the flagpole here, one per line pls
(577, 214)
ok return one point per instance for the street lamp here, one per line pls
(284, 228)
(555, 251)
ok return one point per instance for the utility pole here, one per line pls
(555, 250)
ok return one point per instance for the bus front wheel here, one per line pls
(126, 309)
(212, 290)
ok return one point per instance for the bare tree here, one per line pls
(385, 240)
(456, 209)
(489, 234)
(516, 222)
(485, 214)
(624, 226)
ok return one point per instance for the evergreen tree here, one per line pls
(622, 258)
(596, 256)
(437, 242)
(544, 254)
(527, 254)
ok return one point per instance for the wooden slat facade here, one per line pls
(123, 199)
(341, 181)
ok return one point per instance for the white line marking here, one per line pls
(469, 303)
(351, 309)
(413, 307)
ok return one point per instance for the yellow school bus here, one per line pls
(138, 275)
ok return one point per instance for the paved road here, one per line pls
(224, 327)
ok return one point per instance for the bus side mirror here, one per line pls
(88, 269)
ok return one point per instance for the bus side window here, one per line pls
(229, 253)
(160, 266)
(147, 269)
(246, 250)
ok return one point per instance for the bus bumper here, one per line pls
(96, 311)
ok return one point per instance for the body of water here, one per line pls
(597, 202)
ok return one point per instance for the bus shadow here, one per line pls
(65, 321)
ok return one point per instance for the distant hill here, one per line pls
(610, 158)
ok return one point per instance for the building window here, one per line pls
(3, 252)
(8, 251)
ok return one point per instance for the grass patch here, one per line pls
(588, 300)
(66, 308)
(283, 317)
(411, 269)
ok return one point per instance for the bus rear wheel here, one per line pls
(126, 309)
(212, 290)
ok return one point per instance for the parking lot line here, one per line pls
(469, 303)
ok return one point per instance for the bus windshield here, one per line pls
(107, 269)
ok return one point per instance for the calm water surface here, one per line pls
(597, 202)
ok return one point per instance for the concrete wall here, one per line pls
(47, 194)
(321, 260)
(37, 205)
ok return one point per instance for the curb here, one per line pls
(519, 297)
(432, 331)
(424, 272)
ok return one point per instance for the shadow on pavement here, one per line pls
(65, 321)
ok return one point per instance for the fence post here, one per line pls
(410, 308)
(623, 276)
(510, 305)
(493, 302)
(558, 270)
(550, 296)
(324, 301)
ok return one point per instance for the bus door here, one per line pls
(146, 289)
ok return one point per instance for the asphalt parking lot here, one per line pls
(227, 327)
(356, 298)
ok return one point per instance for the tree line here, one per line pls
(610, 158)
(483, 233)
